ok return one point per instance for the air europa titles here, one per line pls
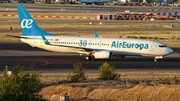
(124, 44)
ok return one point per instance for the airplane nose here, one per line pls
(170, 51)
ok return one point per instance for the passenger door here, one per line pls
(152, 47)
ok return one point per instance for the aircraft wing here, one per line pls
(96, 35)
(47, 43)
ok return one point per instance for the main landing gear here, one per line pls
(155, 60)
(88, 58)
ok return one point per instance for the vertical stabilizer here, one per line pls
(27, 23)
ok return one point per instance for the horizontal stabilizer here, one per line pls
(21, 37)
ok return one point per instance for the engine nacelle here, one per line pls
(102, 55)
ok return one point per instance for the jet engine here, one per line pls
(103, 55)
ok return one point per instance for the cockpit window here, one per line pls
(162, 46)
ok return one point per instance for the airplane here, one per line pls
(97, 47)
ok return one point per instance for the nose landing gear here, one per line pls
(157, 57)
(155, 60)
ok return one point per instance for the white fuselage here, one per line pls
(127, 47)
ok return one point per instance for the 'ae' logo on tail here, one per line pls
(26, 23)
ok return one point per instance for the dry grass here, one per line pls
(144, 75)
(116, 90)
(6, 23)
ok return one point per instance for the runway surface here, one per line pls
(79, 8)
(14, 53)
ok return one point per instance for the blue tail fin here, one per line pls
(28, 25)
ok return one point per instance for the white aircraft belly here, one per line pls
(60, 49)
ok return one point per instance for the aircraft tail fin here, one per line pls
(27, 23)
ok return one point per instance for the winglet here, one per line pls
(45, 40)
(96, 35)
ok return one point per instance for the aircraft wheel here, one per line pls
(88, 58)
(155, 60)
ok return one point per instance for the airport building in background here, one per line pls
(37, 1)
